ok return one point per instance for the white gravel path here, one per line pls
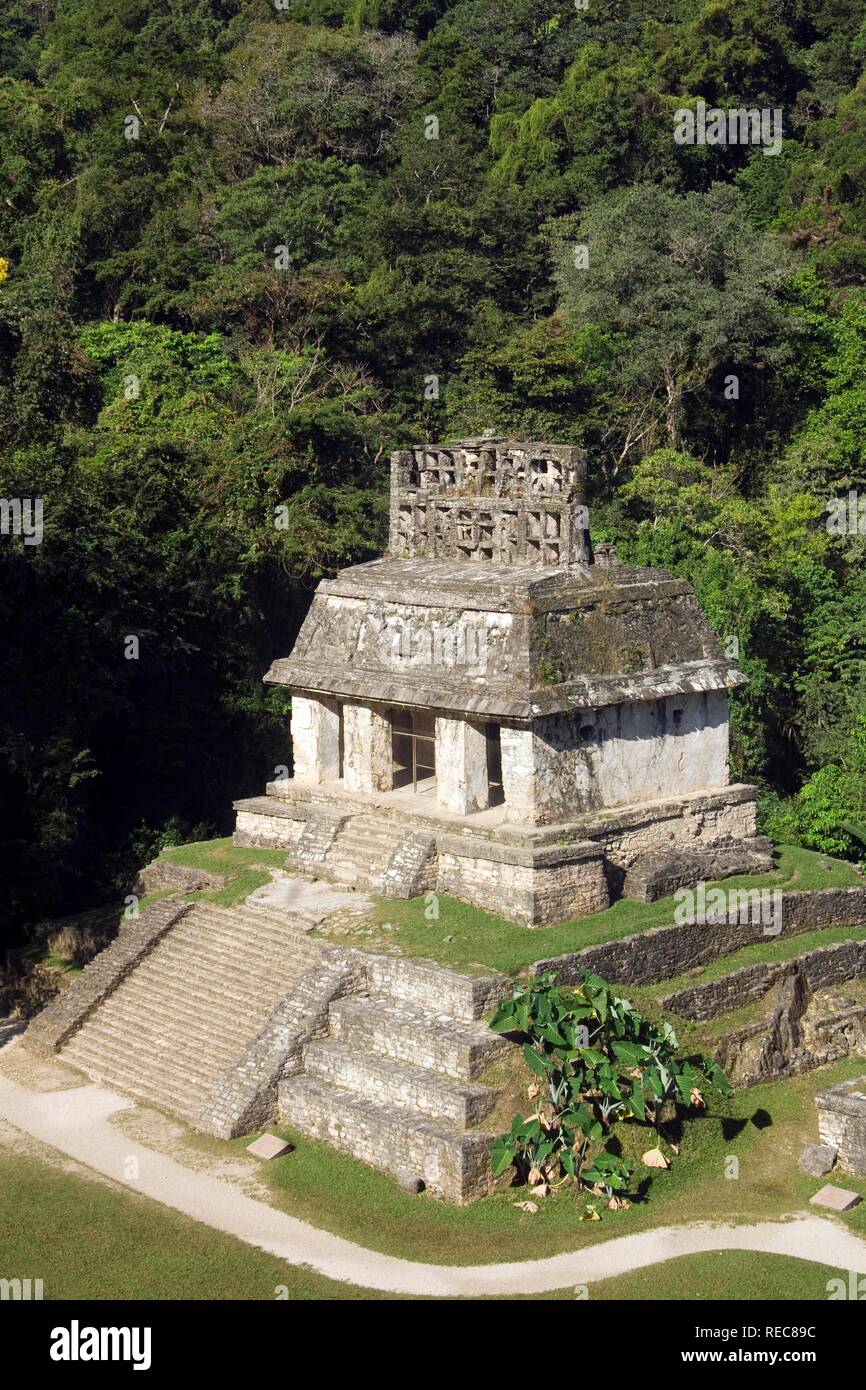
(75, 1121)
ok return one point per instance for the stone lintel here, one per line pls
(443, 691)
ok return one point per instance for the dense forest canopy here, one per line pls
(246, 249)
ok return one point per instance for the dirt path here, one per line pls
(76, 1122)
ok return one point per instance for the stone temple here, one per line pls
(496, 712)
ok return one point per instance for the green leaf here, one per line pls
(501, 1155)
(535, 1062)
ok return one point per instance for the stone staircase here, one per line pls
(395, 1081)
(189, 1009)
(361, 851)
(367, 852)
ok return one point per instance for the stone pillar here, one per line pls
(461, 766)
(366, 749)
(518, 774)
(315, 728)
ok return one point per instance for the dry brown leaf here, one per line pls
(654, 1158)
(526, 1206)
(698, 1099)
(532, 1091)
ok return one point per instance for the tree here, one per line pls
(684, 281)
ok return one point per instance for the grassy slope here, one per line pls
(48, 1218)
(728, 1275)
(763, 1128)
(88, 1240)
(478, 938)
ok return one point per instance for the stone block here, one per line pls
(835, 1198)
(269, 1146)
(842, 1123)
(816, 1160)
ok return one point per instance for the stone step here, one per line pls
(141, 1051)
(248, 957)
(185, 1015)
(163, 1091)
(366, 836)
(452, 1047)
(412, 1088)
(169, 981)
(150, 1016)
(108, 1047)
(184, 964)
(450, 1163)
(426, 985)
(246, 928)
(345, 872)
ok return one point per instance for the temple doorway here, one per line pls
(495, 789)
(413, 749)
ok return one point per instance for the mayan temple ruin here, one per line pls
(492, 711)
(496, 712)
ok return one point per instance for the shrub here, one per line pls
(595, 1061)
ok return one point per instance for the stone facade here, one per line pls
(842, 1123)
(660, 954)
(490, 672)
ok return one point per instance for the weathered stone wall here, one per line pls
(532, 888)
(842, 1123)
(661, 872)
(629, 753)
(245, 1097)
(70, 1009)
(271, 826)
(828, 965)
(450, 1164)
(431, 986)
(164, 873)
(412, 869)
(649, 957)
(724, 815)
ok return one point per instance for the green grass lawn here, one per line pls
(87, 1240)
(467, 937)
(728, 1275)
(763, 1129)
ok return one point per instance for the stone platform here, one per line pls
(842, 1123)
(401, 845)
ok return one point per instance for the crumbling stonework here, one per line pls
(842, 1123)
(244, 1098)
(71, 1009)
(661, 872)
(827, 965)
(645, 958)
(164, 873)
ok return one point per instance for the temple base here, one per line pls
(398, 844)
